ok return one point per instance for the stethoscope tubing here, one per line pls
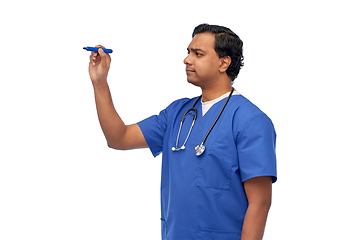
(200, 148)
(217, 118)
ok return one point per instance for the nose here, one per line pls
(187, 60)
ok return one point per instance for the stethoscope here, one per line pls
(200, 148)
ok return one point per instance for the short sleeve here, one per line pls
(153, 129)
(256, 148)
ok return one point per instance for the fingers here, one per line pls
(96, 57)
(105, 58)
(98, 46)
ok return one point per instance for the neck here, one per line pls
(209, 94)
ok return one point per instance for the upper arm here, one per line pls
(153, 131)
(133, 138)
(256, 148)
(258, 190)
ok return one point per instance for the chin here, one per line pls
(193, 82)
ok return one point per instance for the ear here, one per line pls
(224, 64)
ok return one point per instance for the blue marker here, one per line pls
(94, 49)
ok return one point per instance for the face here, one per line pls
(202, 62)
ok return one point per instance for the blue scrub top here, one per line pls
(203, 197)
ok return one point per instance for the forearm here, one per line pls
(254, 222)
(111, 124)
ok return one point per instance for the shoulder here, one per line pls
(245, 108)
(247, 113)
(179, 104)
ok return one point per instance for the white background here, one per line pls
(58, 179)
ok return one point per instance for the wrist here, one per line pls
(100, 85)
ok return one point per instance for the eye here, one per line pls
(198, 54)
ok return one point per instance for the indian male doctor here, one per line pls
(218, 149)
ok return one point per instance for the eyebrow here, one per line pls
(196, 50)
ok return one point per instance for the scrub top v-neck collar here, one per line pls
(206, 106)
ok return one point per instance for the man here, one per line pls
(217, 170)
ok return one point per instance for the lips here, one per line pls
(190, 70)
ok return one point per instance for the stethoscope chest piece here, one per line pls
(199, 149)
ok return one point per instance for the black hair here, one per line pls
(227, 43)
